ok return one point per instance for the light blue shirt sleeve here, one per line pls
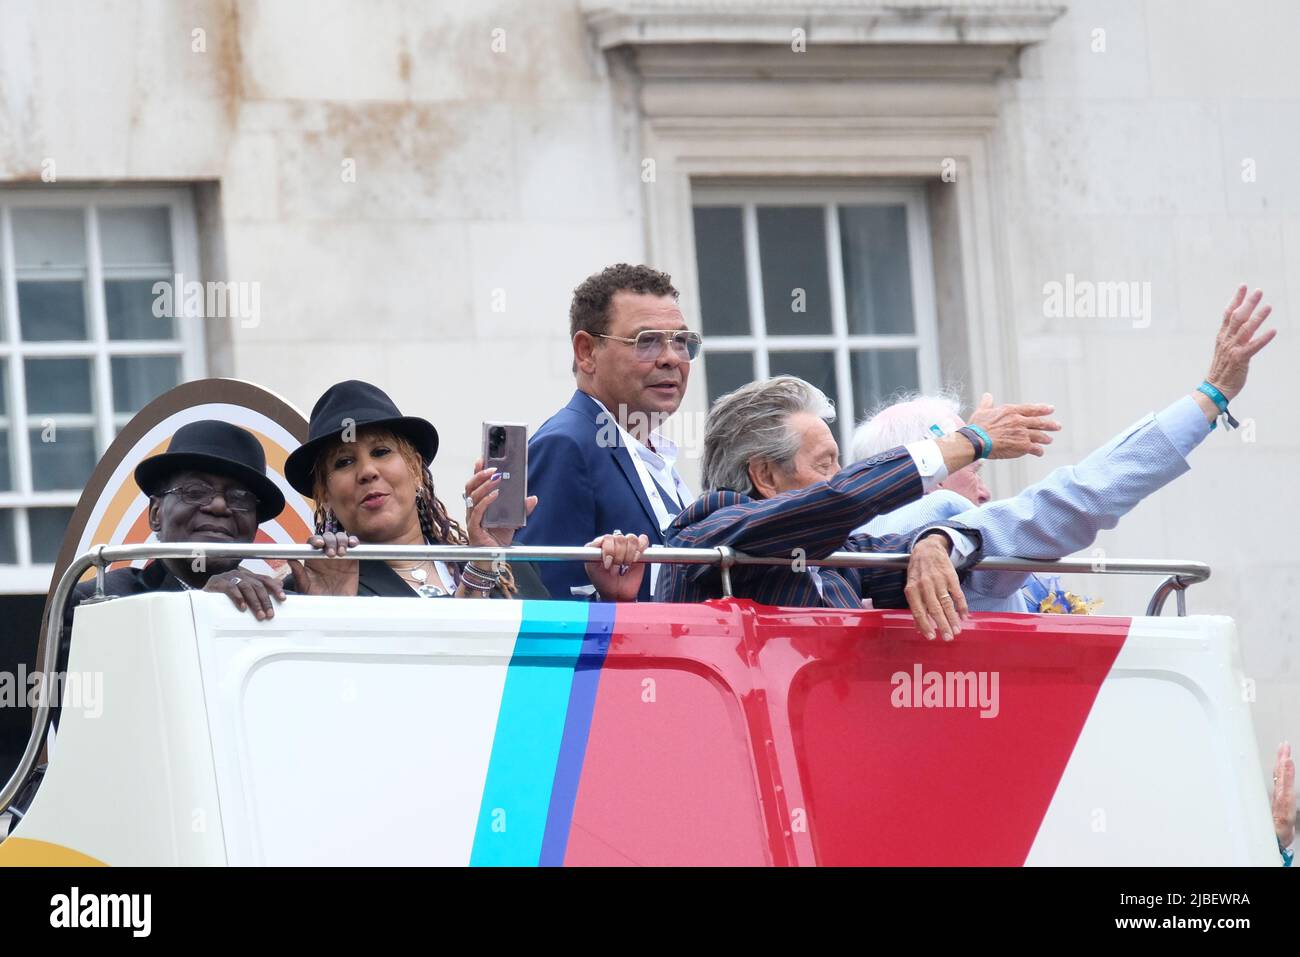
(1066, 510)
(1185, 425)
(938, 506)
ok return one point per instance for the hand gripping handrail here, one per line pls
(1181, 575)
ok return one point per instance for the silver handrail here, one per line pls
(1180, 576)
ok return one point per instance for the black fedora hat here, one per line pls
(354, 403)
(211, 445)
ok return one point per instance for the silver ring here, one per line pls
(469, 503)
(235, 580)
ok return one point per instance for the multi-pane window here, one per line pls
(834, 286)
(81, 349)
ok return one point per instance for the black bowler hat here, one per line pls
(355, 404)
(211, 445)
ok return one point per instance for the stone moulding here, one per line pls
(759, 39)
(675, 22)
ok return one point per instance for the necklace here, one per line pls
(418, 578)
(415, 568)
(416, 574)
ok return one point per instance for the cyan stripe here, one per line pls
(577, 726)
(530, 729)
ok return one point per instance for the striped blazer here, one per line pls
(818, 520)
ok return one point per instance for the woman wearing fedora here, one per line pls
(367, 468)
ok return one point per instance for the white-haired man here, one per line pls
(909, 417)
(1064, 512)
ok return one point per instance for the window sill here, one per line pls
(25, 580)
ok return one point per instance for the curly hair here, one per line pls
(437, 526)
(589, 311)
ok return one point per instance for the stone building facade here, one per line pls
(873, 195)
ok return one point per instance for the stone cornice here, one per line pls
(746, 39)
(648, 22)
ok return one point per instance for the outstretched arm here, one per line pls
(819, 518)
(815, 520)
(1065, 511)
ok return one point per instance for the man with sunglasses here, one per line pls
(601, 463)
(209, 486)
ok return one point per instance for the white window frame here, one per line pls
(25, 577)
(749, 137)
(759, 344)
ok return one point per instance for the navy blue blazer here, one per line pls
(583, 490)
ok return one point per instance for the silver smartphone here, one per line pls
(505, 448)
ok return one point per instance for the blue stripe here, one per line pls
(530, 729)
(577, 727)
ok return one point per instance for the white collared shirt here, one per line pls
(662, 463)
(657, 469)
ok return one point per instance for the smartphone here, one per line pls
(505, 448)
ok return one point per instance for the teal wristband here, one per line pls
(1220, 402)
(987, 448)
(1217, 397)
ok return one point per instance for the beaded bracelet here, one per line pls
(472, 577)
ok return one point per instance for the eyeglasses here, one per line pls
(201, 496)
(650, 343)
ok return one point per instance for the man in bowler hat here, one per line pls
(209, 486)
